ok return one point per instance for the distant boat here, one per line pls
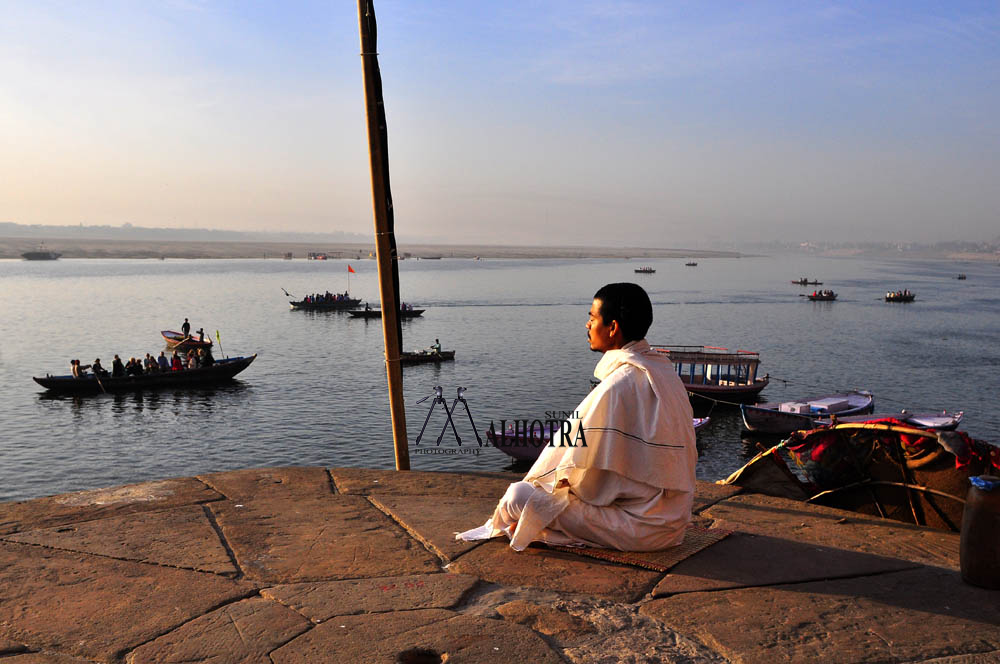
(822, 296)
(288, 256)
(317, 256)
(805, 282)
(377, 313)
(180, 341)
(426, 357)
(803, 413)
(900, 296)
(645, 270)
(41, 255)
(524, 445)
(961, 277)
(691, 264)
(220, 372)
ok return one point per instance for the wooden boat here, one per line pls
(324, 305)
(803, 413)
(805, 282)
(900, 296)
(883, 469)
(691, 264)
(220, 372)
(377, 313)
(179, 341)
(822, 296)
(645, 270)
(426, 357)
(524, 445)
(717, 374)
(939, 420)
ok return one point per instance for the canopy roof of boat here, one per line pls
(709, 355)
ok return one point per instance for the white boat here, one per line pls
(792, 416)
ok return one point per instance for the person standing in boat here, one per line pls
(117, 368)
(620, 474)
(163, 362)
(201, 334)
(186, 328)
(175, 362)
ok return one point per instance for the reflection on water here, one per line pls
(316, 395)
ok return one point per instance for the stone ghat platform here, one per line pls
(284, 565)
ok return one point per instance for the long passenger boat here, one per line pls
(426, 357)
(221, 372)
(324, 305)
(717, 373)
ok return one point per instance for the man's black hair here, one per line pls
(629, 305)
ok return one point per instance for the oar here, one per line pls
(287, 294)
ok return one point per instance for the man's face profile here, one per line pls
(602, 337)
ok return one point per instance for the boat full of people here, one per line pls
(325, 302)
(822, 296)
(197, 374)
(900, 296)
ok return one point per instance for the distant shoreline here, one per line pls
(77, 248)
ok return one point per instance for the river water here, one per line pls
(316, 395)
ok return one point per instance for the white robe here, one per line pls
(631, 486)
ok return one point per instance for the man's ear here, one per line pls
(614, 329)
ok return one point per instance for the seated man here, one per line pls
(621, 474)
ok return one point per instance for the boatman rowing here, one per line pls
(623, 476)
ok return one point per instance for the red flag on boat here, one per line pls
(351, 269)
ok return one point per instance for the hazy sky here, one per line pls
(652, 123)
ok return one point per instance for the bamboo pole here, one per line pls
(384, 238)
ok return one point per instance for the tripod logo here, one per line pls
(438, 398)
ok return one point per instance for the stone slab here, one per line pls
(319, 601)
(743, 560)
(422, 483)
(546, 619)
(547, 569)
(101, 503)
(181, 537)
(241, 633)
(95, 607)
(434, 520)
(908, 616)
(850, 531)
(337, 537)
(709, 493)
(286, 482)
(382, 637)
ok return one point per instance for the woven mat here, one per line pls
(695, 539)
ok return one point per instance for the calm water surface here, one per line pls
(317, 393)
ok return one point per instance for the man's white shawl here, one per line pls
(636, 423)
